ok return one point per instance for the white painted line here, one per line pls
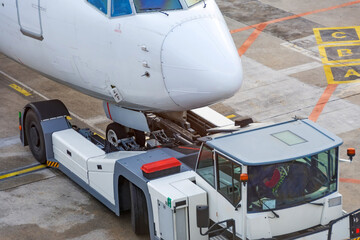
(24, 85)
(46, 98)
(301, 50)
(300, 68)
(15, 154)
(9, 141)
(97, 119)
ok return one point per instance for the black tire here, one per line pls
(35, 136)
(114, 132)
(139, 212)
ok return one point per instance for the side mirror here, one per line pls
(202, 216)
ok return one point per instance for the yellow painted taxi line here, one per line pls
(231, 116)
(26, 170)
(99, 135)
(20, 89)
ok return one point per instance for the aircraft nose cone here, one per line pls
(200, 63)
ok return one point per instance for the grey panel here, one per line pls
(49, 127)
(129, 168)
(166, 221)
(180, 222)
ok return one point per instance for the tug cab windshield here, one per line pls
(292, 183)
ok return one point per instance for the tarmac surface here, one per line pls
(285, 75)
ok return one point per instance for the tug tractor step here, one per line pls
(139, 211)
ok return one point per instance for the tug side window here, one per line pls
(205, 166)
(99, 4)
(120, 7)
(228, 179)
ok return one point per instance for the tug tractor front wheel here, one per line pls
(139, 212)
(115, 132)
(35, 136)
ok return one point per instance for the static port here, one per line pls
(146, 74)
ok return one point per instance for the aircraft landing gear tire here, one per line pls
(35, 136)
(114, 132)
(139, 212)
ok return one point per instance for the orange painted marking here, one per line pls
(296, 16)
(349, 180)
(251, 39)
(319, 107)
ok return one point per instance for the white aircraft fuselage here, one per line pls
(157, 60)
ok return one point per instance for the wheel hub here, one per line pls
(112, 138)
(34, 136)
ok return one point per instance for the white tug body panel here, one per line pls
(174, 198)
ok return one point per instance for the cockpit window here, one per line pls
(120, 7)
(156, 5)
(192, 2)
(100, 4)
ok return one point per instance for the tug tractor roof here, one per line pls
(275, 143)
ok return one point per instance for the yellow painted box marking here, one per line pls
(342, 73)
(340, 53)
(337, 35)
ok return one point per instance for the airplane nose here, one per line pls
(200, 63)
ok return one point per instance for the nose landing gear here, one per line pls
(115, 132)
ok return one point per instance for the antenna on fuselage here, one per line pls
(204, 3)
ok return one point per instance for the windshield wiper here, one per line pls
(317, 204)
(275, 214)
(161, 11)
(154, 9)
(149, 9)
(261, 201)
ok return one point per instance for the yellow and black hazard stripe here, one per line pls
(52, 164)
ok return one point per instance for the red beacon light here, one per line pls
(244, 178)
(351, 153)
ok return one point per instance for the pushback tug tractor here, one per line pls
(206, 178)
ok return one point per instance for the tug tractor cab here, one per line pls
(275, 182)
